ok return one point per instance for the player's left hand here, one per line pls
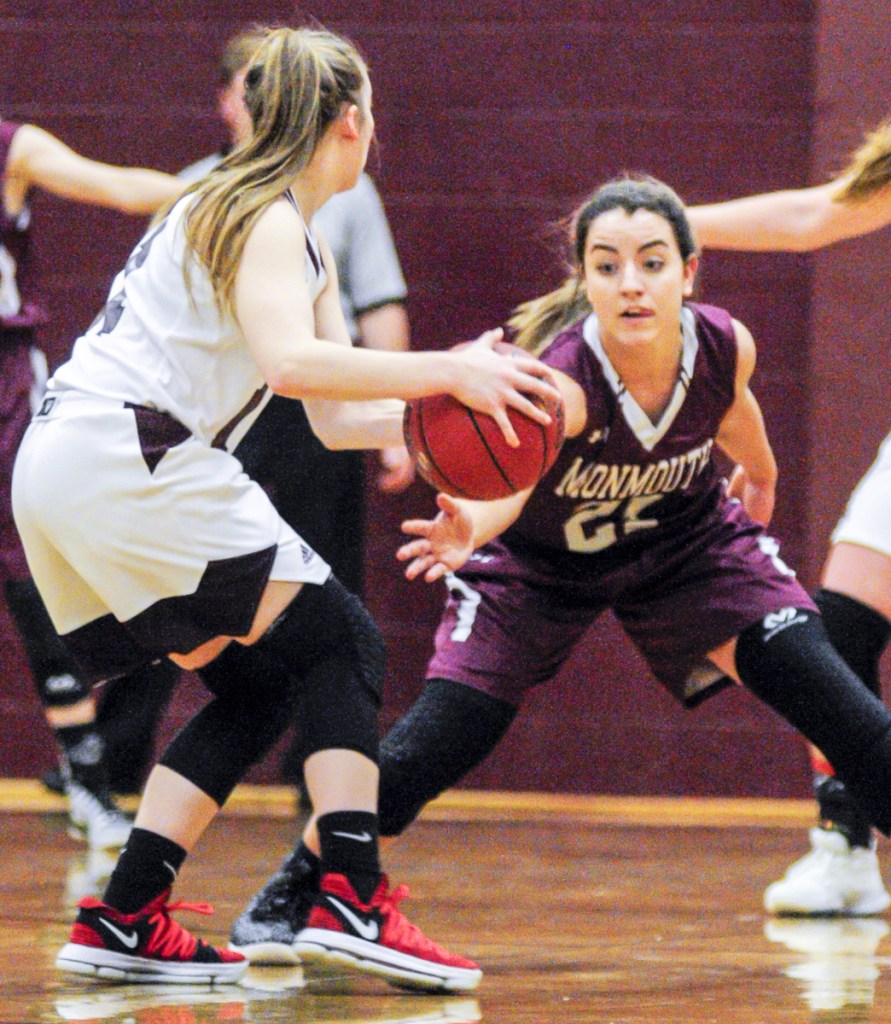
(443, 544)
(397, 470)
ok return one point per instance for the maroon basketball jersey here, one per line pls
(625, 483)
(19, 309)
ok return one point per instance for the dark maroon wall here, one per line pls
(494, 120)
(850, 369)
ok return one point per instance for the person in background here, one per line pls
(841, 873)
(33, 159)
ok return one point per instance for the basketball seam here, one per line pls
(545, 450)
(429, 454)
(489, 451)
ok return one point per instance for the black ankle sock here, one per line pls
(83, 752)
(349, 847)
(148, 866)
(838, 811)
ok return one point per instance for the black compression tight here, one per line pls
(448, 730)
(790, 664)
(251, 709)
(323, 656)
(55, 675)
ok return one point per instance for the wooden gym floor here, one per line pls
(615, 911)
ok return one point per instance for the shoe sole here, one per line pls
(865, 907)
(268, 954)
(322, 949)
(103, 963)
(867, 910)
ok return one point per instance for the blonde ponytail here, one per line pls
(870, 166)
(296, 86)
(537, 322)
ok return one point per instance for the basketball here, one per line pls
(463, 452)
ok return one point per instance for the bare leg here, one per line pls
(175, 808)
(861, 573)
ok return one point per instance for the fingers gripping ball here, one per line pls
(463, 452)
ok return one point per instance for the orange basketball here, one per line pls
(463, 452)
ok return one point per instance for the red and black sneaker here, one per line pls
(376, 938)
(146, 946)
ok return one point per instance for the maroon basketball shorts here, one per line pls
(510, 622)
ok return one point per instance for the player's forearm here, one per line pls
(321, 370)
(791, 221)
(357, 425)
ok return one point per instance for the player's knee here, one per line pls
(336, 655)
(786, 659)
(325, 622)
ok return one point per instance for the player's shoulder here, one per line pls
(280, 219)
(707, 315)
(569, 340)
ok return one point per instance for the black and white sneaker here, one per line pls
(266, 929)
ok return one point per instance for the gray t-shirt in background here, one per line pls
(356, 228)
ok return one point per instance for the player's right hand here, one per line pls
(492, 382)
(442, 544)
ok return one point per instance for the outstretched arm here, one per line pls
(445, 543)
(39, 159)
(743, 437)
(795, 220)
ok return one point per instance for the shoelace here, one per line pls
(170, 940)
(402, 932)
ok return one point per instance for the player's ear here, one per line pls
(350, 122)
(690, 267)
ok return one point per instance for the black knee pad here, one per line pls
(129, 713)
(447, 731)
(251, 710)
(859, 633)
(329, 643)
(55, 674)
(788, 661)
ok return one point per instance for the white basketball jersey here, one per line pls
(161, 345)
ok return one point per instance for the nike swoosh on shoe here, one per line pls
(368, 930)
(129, 939)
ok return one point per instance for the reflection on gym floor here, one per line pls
(574, 917)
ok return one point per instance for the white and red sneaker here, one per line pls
(148, 946)
(376, 938)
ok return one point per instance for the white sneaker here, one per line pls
(834, 878)
(95, 820)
